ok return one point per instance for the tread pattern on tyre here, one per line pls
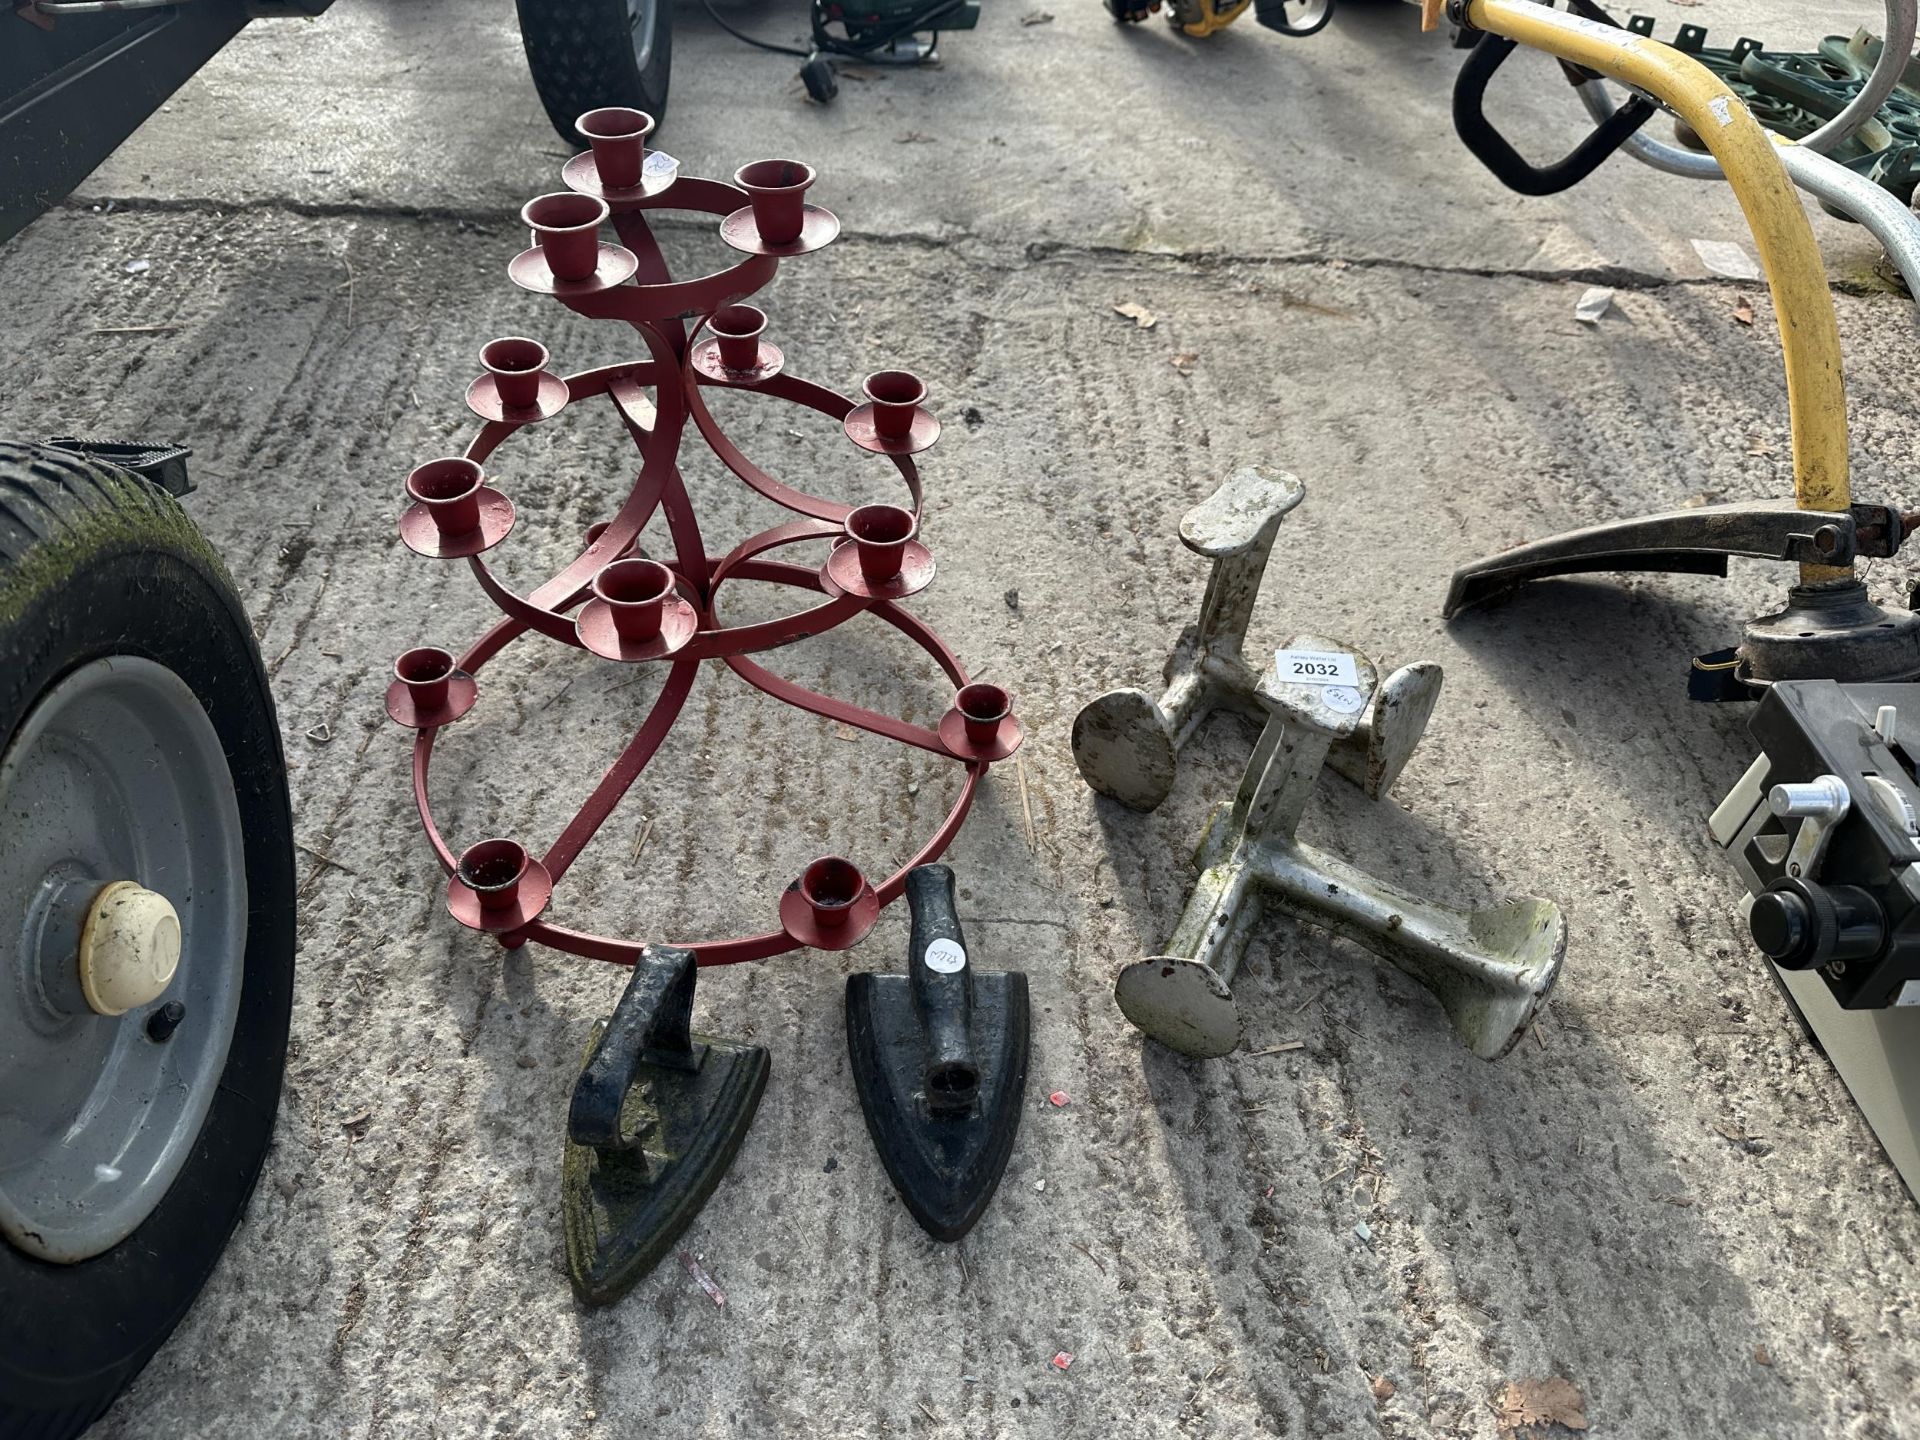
(47, 497)
(580, 53)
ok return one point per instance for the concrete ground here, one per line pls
(1663, 1196)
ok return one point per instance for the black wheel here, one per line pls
(820, 79)
(588, 53)
(146, 929)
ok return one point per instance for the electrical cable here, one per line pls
(825, 44)
(757, 44)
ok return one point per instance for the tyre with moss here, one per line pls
(146, 928)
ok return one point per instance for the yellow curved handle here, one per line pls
(1809, 333)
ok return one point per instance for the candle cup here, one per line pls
(618, 136)
(515, 363)
(493, 870)
(830, 885)
(896, 395)
(738, 328)
(880, 534)
(567, 227)
(450, 489)
(982, 708)
(778, 192)
(635, 592)
(426, 672)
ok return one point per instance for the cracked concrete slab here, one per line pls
(1664, 1195)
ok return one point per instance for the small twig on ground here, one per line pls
(135, 329)
(1279, 1049)
(640, 841)
(1313, 999)
(924, 1410)
(1091, 1256)
(1026, 802)
(325, 859)
(346, 285)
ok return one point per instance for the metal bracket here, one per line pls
(162, 465)
(1127, 743)
(1696, 541)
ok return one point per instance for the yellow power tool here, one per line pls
(1201, 18)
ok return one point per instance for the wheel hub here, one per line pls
(122, 892)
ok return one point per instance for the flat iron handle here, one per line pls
(942, 975)
(651, 1024)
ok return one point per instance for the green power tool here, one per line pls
(876, 32)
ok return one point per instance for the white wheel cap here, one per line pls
(129, 948)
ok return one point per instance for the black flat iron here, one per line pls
(940, 1060)
(658, 1114)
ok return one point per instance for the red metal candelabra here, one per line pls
(635, 610)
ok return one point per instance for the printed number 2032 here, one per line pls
(1313, 667)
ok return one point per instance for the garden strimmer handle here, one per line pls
(1508, 165)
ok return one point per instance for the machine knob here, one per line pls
(1801, 926)
(1781, 925)
(129, 948)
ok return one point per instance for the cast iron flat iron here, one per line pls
(658, 1114)
(940, 1059)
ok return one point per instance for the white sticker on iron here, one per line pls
(945, 957)
(1340, 698)
(1316, 667)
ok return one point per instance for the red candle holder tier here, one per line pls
(626, 607)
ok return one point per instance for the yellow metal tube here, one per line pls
(1809, 332)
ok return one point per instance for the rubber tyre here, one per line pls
(581, 56)
(94, 561)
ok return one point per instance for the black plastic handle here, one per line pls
(942, 975)
(1508, 165)
(652, 1023)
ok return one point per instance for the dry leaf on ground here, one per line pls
(1743, 310)
(1137, 313)
(1529, 1404)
